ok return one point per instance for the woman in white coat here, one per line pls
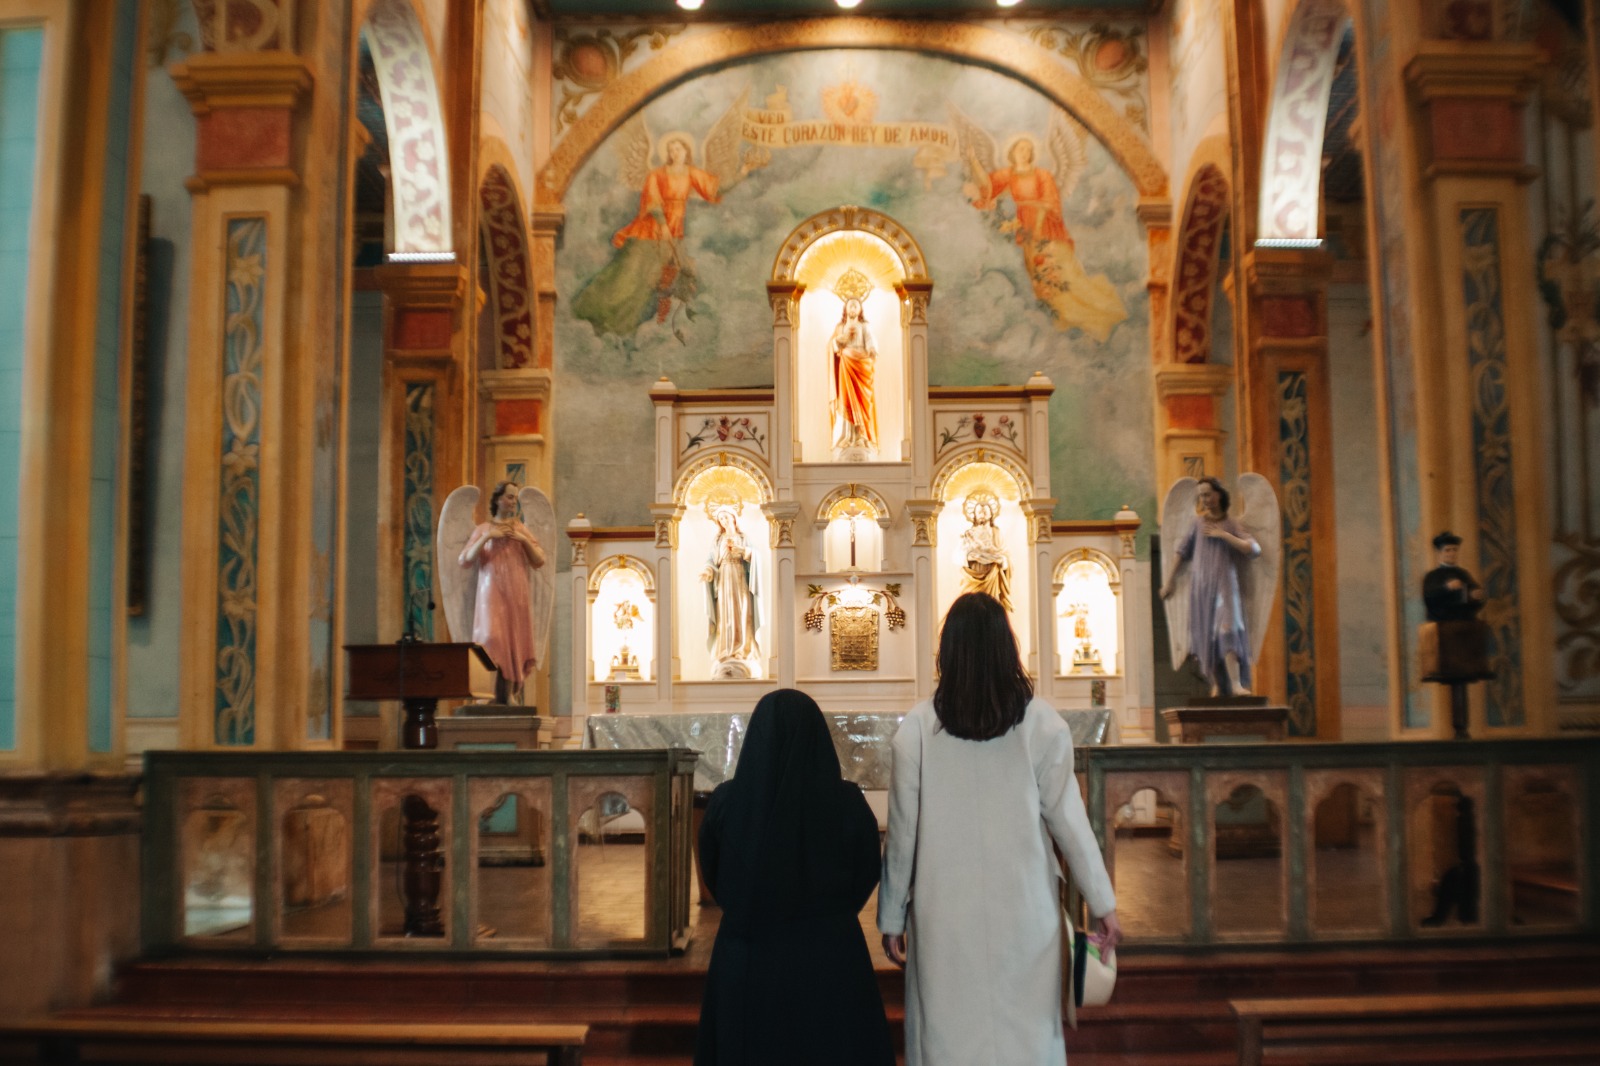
(969, 901)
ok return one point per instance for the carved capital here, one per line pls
(781, 515)
(579, 530)
(915, 293)
(665, 517)
(924, 522)
(1039, 511)
(783, 295)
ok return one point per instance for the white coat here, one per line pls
(969, 876)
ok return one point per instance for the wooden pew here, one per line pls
(280, 1043)
(1544, 1026)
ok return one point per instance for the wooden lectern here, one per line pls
(419, 674)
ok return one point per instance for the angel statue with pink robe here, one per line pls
(497, 589)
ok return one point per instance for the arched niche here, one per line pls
(622, 620)
(831, 259)
(508, 280)
(968, 481)
(852, 520)
(1087, 585)
(707, 489)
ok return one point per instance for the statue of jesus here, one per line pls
(853, 356)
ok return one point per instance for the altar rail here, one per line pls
(446, 851)
(1344, 843)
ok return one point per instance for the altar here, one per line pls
(813, 533)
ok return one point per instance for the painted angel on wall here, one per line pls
(1075, 299)
(498, 590)
(1220, 574)
(650, 275)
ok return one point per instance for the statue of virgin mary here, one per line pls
(730, 580)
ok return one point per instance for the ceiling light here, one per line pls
(1008, 3)
(847, 4)
(690, 5)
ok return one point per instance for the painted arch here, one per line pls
(1291, 159)
(510, 282)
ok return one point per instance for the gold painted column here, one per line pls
(258, 354)
(1286, 425)
(420, 456)
(1480, 416)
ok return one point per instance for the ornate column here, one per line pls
(579, 530)
(253, 374)
(1156, 214)
(1286, 424)
(1134, 592)
(419, 450)
(784, 296)
(781, 515)
(1477, 364)
(914, 295)
(924, 516)
(1190, 442)
(1040, 510)
(665, 517)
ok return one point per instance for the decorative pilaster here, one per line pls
(781, 515)
(915, 295)
(258, 510)
(669, 667)
(1189, 399)
(924, 515)
(419, 453)
(579, 530)
(1041, 537)
(784, 296)
(1287, 427)
(1476, 348)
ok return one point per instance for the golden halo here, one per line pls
(1016, 139)
(674, 135)
(980, 497)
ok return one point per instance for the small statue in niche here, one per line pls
(1220, 576)
(987, 567)
(731, 582)
(852, 361)
(625, 664)
(1085, 656)
(497, 590)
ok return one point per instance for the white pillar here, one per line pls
(781, 515)
(579, 530)
(914, 296)
(784, 297)
(925, 625)
(666, 517)
(1039, 511)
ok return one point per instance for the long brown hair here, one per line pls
(983, 691)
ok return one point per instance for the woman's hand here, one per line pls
(1110, 933)
(894, 946)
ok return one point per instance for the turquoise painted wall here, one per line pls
(21, 51)
(166, 159)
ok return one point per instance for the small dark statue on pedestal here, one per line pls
(1454, 641)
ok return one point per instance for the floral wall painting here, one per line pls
(1029, 227)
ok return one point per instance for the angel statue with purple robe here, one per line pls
(1220, 575)
(498, 592)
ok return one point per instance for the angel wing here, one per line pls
(1068, 153)
(633, 144)
(722, 144)
(540, 518)
(977, 149)
(458, 583)
(1255, 507)
(1177, 516)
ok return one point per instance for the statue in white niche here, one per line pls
(987, 567)
(730, 577)
(852, 368)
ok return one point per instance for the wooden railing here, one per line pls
(1284, 843)
(548, 853)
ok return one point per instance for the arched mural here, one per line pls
(1027, 222)
(506, 248)
(1291, 160)
(419, 159)
(1199, 240)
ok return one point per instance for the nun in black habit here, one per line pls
(790, 851)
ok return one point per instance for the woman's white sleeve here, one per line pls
(1066, 818)
(900, 850)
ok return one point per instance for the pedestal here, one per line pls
(1233, 719)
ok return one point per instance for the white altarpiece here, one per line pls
(888, 533)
